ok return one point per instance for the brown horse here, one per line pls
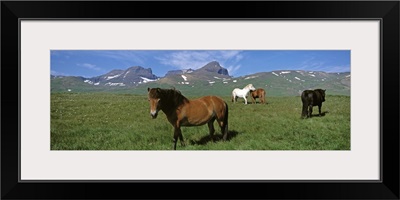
(181, 111)
(258, 93)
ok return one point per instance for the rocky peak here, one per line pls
(214, 67)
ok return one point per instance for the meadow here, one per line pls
(105, 121)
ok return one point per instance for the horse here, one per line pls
(243, 93)
(312, 98)
(258, 93)
(181, 111)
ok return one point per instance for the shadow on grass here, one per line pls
(217, 137)
(317, 115)
(322, 114)
(258, 103)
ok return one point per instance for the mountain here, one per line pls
(212, 68)
(208, 73)
(179, 72)
(129, 77)
(211, 79)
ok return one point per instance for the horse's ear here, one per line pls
(148, 89)
(158, 89)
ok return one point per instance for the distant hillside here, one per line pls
(276, 83)
(211, 79)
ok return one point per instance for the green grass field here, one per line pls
(103, 121)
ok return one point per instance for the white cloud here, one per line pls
(129, 58)
(232, 69)
(312, 64)
(57, 73)
(89, 66)
(329, 69)
(344, 68)
(229, 54)
(238, 57)
(197, 59)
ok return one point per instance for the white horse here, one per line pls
(243, 93)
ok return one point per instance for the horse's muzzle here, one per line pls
(153, 115)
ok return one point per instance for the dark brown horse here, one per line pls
(181, 111)
(258, 93)
(311, 98)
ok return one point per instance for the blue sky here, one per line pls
(90, 63)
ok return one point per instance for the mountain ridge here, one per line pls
(209, 79)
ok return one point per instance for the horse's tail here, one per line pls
(225, 133)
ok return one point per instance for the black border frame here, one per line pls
(386, 11)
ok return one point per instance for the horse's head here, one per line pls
(154, 98)
(250, 87)
(323, 95)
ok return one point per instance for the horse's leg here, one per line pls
(225, 130)
(253, 99)
(245, 100)
(310, 110)
(223, 124)
(181, 138)
(178, 133)
(304, 113)
(319, 109)
(211, 128)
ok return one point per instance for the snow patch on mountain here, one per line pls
(126, 73)
(184, 77)
(111, 77)
(145, 80)
(115, 84)
(250, 77)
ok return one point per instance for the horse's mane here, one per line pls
(173, 95)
